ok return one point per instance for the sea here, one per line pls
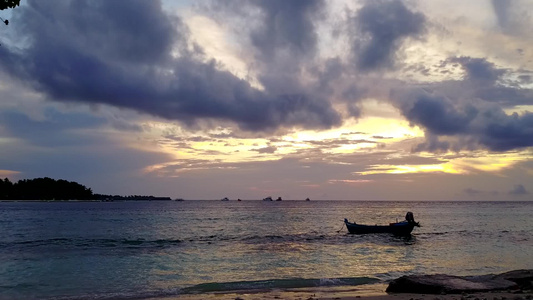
(158, 249)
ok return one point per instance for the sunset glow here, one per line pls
(318, 99)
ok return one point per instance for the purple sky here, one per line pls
(369, 100)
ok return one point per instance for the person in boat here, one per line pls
(409, 217)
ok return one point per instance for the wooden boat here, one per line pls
(398, 228)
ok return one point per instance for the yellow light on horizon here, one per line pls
(490, 162)
(412, 169)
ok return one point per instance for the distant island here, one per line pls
(49, 189)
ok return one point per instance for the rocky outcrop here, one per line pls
(523, 278)
(448, 284)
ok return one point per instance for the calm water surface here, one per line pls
(85, 250)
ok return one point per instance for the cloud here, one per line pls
(439, 116)
(121, 53)
(473, 125)
(478, 69)
(526, 79)
(272, 27)
(337, 142)
(384, 25)
(269, 149)
(54, 130)
(483, 80)
(70, 146)
(279, 40)
(468, 113)
(518, 190)
(287, 25)
(508, 132)
(512, 16)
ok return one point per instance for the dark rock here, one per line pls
(523, 278)
(441, 283)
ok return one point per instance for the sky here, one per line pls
(346, 100)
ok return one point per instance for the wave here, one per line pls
(305, 238)
(92, 243)
(129, 243)
(292, 283)
(228, 287)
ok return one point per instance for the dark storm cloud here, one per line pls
(440, 116)
(333, 70)
(505, 132)
(118, 53)
(471, 124)
(383, 26)
(478, 69)
(287, 24)
(484, 80)
(274, 26)
(469, 113)
(135, 31)
(352, 95)
(283, 42)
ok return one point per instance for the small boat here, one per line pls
(225, 199)
(398, 228)
(239, 199)
(267, 198)
(179, 199)
(279, 199)
(307, 199)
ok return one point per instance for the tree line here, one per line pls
(51, 189)
(43, 189)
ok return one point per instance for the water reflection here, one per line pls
(381, 239)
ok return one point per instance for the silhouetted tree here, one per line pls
(50, 189)
(6, 189)
(44, 189)
(5, 4)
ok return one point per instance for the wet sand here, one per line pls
(363, 292)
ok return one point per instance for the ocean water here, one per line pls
(135, 250)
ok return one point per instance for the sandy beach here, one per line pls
(364, 292)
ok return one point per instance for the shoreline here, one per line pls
(360, 292)
(512, 285)
(374, 291)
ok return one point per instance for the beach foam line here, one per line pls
(292, 283)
